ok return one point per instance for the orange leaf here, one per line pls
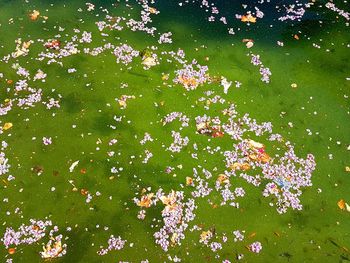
(341, 204)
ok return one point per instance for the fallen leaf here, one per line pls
(7, 125)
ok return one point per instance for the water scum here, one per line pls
(257, 155)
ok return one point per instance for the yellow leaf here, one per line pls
(7, 126)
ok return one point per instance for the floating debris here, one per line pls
(7, 126)
(73, 165)
(34, 15)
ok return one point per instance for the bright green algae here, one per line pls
(307, 235)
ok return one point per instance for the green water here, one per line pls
(319, 103)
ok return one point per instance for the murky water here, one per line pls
(314, 116)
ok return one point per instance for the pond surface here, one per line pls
(225, 140)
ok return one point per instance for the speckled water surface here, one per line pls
(122, 142)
